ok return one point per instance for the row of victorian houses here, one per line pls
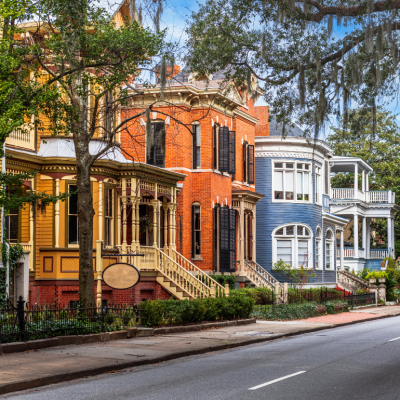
(219, 192)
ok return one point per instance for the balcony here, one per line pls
(381, 197)
(377, 254)
(23, 138)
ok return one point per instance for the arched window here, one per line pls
(318, 249)
(329, 250)
(292, 244)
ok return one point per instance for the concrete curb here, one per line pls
(48, 380)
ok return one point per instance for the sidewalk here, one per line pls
(20, 371)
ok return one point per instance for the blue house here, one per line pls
(301, 219)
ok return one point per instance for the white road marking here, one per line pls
(276, 380)
(394, 339)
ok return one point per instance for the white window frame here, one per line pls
(318, 246)
(295, 170)
(332, 259)
(318, 175)
(294, 239)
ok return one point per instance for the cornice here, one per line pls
(288, 154)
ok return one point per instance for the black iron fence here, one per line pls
(357, 300)
(25, 322)
(321, 295)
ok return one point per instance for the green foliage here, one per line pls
(298, 311)
(259, 295)
(376, 275)
(298, 276)
(380, 148)
(224, 279)
(173, 312)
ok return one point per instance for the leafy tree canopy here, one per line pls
(307, 73)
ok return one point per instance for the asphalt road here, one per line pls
(359, 361)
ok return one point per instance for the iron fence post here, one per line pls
(21, 318)
(352, 301)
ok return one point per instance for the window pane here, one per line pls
(198, 136)
(302, 252)
(299, 166)
(306, 166)
(329, 235)
(278, 183)
(299, 186)
(300, 230)
(73, 200)
(197, 218)
(306, 185)
(13, 233)
(198, 157)
(289, 165)
(307, 232)
(73, 229)
(284, 251)
(289, 185)
(278, 165)
(290, 230)
(318, 233)
(279, 232)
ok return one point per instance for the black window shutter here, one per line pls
(224, 254)
(232, 239)
(215, 237)
(215, 147)
(223, 143)
(193, 231)
(194, 146)
(250, 152)
(245, 162)
(250, 236)
(232, 153)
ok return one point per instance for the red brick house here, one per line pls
(204, 128)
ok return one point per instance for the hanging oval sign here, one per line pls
(121, 276)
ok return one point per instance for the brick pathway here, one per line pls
(340, 318)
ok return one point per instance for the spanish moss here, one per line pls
(330, 19)
(302, 88)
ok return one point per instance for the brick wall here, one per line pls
(205, 186)
(262, 113)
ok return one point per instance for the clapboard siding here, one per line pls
(271, 215)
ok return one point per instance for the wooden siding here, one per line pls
(271, 215)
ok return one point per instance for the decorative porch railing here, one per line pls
(349, 282)
(343, 193)
(381, 197)
(259, 276)
(348, 253)
(378, 253)
(24, 138)
(370, 197)
(200, 274)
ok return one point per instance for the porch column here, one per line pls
(100, 211)
(342, 250)
(364, 236)
(171, 234)
(133, 212)
(367, 182)
(368, 238)
(124, 222)
(389, 233)
(355, 180)
(118, 219)
(56, 218)
(154, 203)
(393, 241)
(363, 181)
(165, 233)
(241, 217)
(355, 230)
(137, 205)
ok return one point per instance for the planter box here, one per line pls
(372, 280)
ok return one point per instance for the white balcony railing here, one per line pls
(369, 197)
(379, 254)
(374, 253)
(24, 138)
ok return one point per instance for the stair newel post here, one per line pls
(212, 289)
(99, 271)
(276, 292)
(226, 289)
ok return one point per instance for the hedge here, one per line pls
(174, 312)
(298, 311)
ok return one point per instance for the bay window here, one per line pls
(291, 181)
(318, 185)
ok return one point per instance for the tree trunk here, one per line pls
(85, 224)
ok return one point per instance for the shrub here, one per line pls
(171, 311)
(260, 295)
(224, 279)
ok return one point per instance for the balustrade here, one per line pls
(24, 137)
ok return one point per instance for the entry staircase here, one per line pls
(258, 276)
(178, 275)
(349, 282)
